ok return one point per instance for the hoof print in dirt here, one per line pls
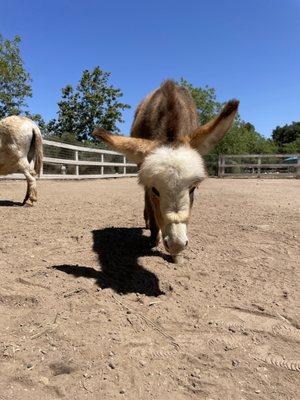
(61, 368)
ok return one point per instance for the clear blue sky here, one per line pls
(245, 49)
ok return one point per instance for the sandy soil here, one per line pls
(88, 311)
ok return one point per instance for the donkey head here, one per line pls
(171, 172)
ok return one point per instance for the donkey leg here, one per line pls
(154, 229)
(31, 193)
(26, 196)
(146, 210)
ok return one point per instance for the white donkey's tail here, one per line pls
(37, 147)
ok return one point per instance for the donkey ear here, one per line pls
(204, 138)
(134, 148)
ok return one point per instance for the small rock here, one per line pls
(111, 365)
(257, 391)
(44, 380)
(122, 391)
(178, 259)
(195, 373)
(171, 288)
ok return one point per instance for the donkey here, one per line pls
(20, 143)
(167, 144)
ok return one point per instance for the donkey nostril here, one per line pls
(186, 243)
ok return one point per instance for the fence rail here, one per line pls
(288, 167)
(66, 161)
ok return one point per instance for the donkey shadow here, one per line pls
(9, 203)
(118, 250)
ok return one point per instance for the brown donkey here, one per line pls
(167, 143)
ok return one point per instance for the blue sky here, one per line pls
(245, 49)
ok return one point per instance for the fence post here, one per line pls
(258, 168)
(221, 166)
(102, 167)
(76, 166)
(124, 168)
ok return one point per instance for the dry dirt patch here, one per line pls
(89, 311)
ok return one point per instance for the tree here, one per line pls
(92, 102)
(39, 120)
(15, 82)
(287, 137)
(242, 138)
(292, 147)
(205, 99)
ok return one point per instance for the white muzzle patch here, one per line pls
(175, 237)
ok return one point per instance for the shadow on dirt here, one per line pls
(8, 203)
(118, 250)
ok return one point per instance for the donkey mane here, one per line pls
(166, 115)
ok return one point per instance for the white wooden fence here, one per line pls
(259, 166)
(66, 161)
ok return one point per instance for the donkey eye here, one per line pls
(155, 191)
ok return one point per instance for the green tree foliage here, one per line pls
(39, 120)
(205, 99)
(93, 102)
(292, 147)
(243, 139)
(287, 137)
(15, 82)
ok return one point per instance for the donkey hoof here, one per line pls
(28, 203)
(33, 199)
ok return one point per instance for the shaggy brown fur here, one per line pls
(167, 114)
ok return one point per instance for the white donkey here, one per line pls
(167, 143)
(20, 143)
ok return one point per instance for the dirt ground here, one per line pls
(89, 311)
